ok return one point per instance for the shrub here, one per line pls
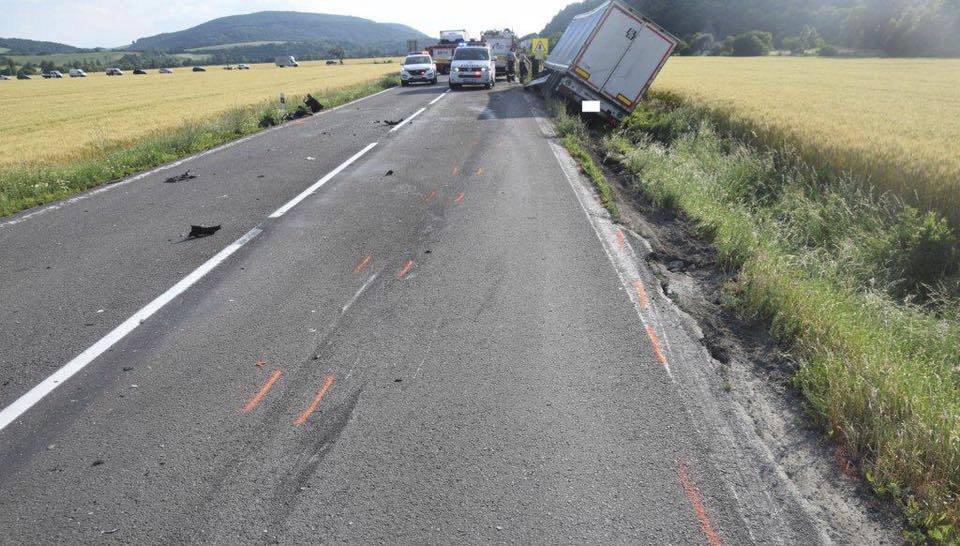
(828, 51)
(755, 43)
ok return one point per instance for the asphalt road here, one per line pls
(445, 341)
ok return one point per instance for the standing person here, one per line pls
(524, 67)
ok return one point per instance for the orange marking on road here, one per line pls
(406, 269)
(255, 401)
(327, 383)
(429, 197)
(480, 171)
(696, 500)
(641, 294)
(363, 264)
(621, 240)
(459, 198)
(456, 171)
(261, 363)
(655, 341)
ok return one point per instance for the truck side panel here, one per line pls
(574, 37)
(647, 53)
(604, 51)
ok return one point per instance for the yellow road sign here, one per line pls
(540, 47)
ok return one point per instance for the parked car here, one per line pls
(243, 66)
(54, 74)
(139, 71)
(5, 77)
(286, 61)
(199, 69)
(473, 65)
(229, 67)
(77, 73)
(418, 67)
(166, 71)
(23, 77)
(114, 72)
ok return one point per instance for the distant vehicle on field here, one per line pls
(54, 74)
(284, 61)
(243, 66)
(473, 65)
(139, 71)
(23, 77)
(77, 73)
(166, 71)
(114, 72)
(418, 67)
(199, 69)
(5, 77)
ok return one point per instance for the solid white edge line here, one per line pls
(409, 119)
(177, 163)
(34, 395)
(316, 185)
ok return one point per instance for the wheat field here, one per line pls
(896, 122)
(60, 120)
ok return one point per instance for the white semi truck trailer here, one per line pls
(611, 55)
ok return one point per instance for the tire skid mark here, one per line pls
(255, 400)
(366, 261)
(312, 407)
(699, 508)
(405, 269)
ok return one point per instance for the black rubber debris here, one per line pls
(183, 177)
(313, 104)
(389, 122)
(389, 173)
(197, 232)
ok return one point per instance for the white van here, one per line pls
(77, 73)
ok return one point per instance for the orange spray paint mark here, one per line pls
(700, 509)
(456, 171)
(621, 240)
(429, 197)
(406, 269)
(843, 461)
(655, 341)
(302, 418)
(480, 171)
(459, 198)
(642, 296)
(363, 264)
(257, 398)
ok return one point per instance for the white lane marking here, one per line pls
(409, 119)
(162, 168)
(34, 395)
(316, 185)
(439, 97)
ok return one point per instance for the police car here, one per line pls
(418, 67)
(473, 65)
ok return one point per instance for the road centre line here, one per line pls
(316, 185)
(177, 163)
(37, 393)
(409, 119)
(439, 97)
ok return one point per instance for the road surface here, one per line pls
(425, 332)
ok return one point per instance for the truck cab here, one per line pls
(473, 64)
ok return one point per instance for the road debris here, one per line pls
(198, 232)
(391, 122)
(109, 531)
(128, 368)
(97, 462)
(181, 178)
(312, 103)
(389, 173)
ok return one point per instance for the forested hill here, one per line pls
(896, 27)
(18, 46)
(283, 26)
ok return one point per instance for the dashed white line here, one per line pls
(409, 119)
(316, 185)
(34, 395)
(434, 101)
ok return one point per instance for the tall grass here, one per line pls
(34, 183)
(858, 286)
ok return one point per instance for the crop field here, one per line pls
(896, 121)
(61, 120)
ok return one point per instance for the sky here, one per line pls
(113, 23)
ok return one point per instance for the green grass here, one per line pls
(574, 137)
(860, 289)
(32, 184)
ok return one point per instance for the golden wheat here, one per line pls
(58, 119)
(896, 122)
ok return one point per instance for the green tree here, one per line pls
(810, 38)
(755, 43)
